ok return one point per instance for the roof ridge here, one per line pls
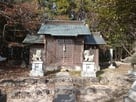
(63, 22)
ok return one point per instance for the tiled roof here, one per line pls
(39, 39)
(94, 39)
(64, 28)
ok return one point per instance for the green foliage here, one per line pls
(62, 6)
(115, 19)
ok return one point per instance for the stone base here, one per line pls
(36, 73)
(89, 69)
(88, 74)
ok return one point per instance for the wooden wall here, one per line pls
(64, 50)
(96, 57)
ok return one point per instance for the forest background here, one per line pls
(114, 19)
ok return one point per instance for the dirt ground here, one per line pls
(113, 79)
(12, 72)
(8, 71)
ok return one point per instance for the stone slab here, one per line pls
(65, 98)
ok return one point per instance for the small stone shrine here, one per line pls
(37, 65)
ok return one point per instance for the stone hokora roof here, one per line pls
(64, 28)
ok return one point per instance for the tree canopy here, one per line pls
(115, 19)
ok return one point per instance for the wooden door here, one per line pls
(64, 51)
(68, 51)
(78, 52)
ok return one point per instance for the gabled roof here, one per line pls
(34, 39)
(94, 40)
(64, 28)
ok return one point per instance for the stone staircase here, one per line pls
(64, 94)
(64, 90)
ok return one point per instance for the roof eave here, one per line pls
(63, 34)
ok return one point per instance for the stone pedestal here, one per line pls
(111, 66)
(88, 70)
(37, 69)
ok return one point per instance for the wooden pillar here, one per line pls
(96, 58)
